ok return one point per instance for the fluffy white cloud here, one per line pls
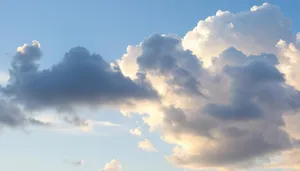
(136, 131)
(146, 145)
(253, 32)
(288, 54)
(113, 165)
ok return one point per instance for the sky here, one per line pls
(149, 85)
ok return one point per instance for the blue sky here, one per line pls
(106, 28)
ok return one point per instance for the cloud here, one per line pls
(164, 55)
(225, 89)
(90, 125)
(146, 145)
(106, 123)
(81, 78)
(254, 74)
(75, 120)
(79, 163)
(289, 60)
(74, 124)
(113, 165)
(136, 131)
(11, 116)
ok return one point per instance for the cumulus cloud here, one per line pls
(81, 78)
(113, 165)
(226, 89)
(136, 131)
(146, 145)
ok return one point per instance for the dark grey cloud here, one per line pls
(269, 58)
(249, 77)
(254, 72)
(75, 120)
(36, 122)
(242, 110)
(11, 116)
(81, 78)
(164, 55)
(230, 56)
(175, 121)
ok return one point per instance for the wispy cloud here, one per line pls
(79, 163)
(75, 125)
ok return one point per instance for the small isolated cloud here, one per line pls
(136, 131)
(113, 165)
(146, 145)
(79, 163)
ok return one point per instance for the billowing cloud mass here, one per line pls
(147, 145)
(113, 165)
(226, 95)
(229, 90)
